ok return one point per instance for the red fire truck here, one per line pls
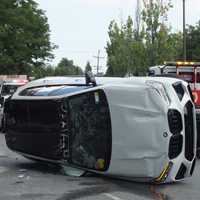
(190, 72)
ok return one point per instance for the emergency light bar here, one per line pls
(17, 81)
(182, 63)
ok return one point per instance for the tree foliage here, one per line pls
(193, 41)
(67, 67)
(123, 49)
(24, 36)
(42, 71)
(131, 50)
(64, 68)
(154, 16)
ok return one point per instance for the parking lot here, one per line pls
(23, 179)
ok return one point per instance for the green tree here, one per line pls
(168, 46)
(125, 50)
(49, 70)
(114, 50)
(154, 16)
(132, 50)
(78, 71)
(67, 67)
(88, 67)
(193, 41)
(38, 72)
(24, 36)
(109, 71)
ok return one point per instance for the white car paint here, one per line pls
(140, 128)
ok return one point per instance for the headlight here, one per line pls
(159, 87)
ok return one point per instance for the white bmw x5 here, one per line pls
(141, 129)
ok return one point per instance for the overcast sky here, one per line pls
(79, 27)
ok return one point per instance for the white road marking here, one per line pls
(112, 196)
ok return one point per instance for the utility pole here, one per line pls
(184, 34)
(138, 18)
(98, 57)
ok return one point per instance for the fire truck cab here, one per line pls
(189, 72)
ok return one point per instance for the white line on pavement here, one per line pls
(112, 196)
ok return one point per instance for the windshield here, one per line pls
(8, 89)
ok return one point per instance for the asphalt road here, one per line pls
(22, 179)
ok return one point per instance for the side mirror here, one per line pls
(90, 79)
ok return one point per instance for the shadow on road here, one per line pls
(93, 184)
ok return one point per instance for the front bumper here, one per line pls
(182, 146)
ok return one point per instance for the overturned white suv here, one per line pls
(141, 129)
